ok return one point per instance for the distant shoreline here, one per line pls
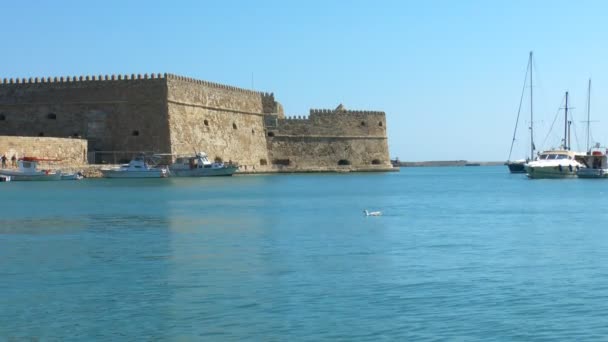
(444, 163)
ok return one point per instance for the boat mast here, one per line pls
(588, 111)
(531, 113)
(566, 125)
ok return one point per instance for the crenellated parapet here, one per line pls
(216, 85)
(344, 111)
(79, 79)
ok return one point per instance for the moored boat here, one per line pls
(27, 170)
(596, 160)
(555, 164)
(200, 166)
(136, 168)
(519, 166)
(72, 176)
(596, 163)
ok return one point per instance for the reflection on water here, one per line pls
(458, 255)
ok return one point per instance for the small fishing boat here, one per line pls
(200, 166)
(5, 179)
(27, 170)
(72, 176)
(138, 167)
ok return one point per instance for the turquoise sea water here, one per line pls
(469, 253)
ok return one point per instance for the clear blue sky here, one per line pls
(447, 73)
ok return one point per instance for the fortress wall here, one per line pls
(203, 117)
(330, 123)
(70, 152)
(325, 153)
(113, 112)
(327, 138)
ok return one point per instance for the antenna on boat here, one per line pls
(588, 111)
(566, 147)
(531, 113)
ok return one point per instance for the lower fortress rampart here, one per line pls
(110, 118)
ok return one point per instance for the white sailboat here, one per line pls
(518, 166)
(557, 163)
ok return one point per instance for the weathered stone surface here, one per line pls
(68, 152)
(174, 114)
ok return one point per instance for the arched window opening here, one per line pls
(343, 162)
(252, 131)
(2, 117)
(376, 162)
(362, 123)
(233, 125)
(380, 123)
(206, 122)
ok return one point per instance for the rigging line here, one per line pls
(553, 123)
(521, 99)
(575, 135)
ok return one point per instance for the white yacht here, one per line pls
(555, 164)
(200, 166)
(27, 170)
(136, 168)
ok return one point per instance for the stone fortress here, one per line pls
(107, 119)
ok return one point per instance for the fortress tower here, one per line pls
(125, 114)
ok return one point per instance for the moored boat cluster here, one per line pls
(141, 166)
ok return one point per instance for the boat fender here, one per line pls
(560, 168)
(570, 167)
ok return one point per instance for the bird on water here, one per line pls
(372, 213)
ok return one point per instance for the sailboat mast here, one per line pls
(531, 113)
(566, 124)
(588, 111)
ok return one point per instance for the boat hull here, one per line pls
(592, 173)
(204, 172)
(39, 176)
(133, 174)
(517, 167)
(538, 172)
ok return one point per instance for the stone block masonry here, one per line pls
(179, 115)
(68, 152)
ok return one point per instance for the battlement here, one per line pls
(344, 111)
(296, 118)
(75, 79)
(218, 85)
(127, 77)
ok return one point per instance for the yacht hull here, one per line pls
(204, 172)
(38, 176)
(592, 173)
(133, 174)
(551, 172)
(517, 167)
